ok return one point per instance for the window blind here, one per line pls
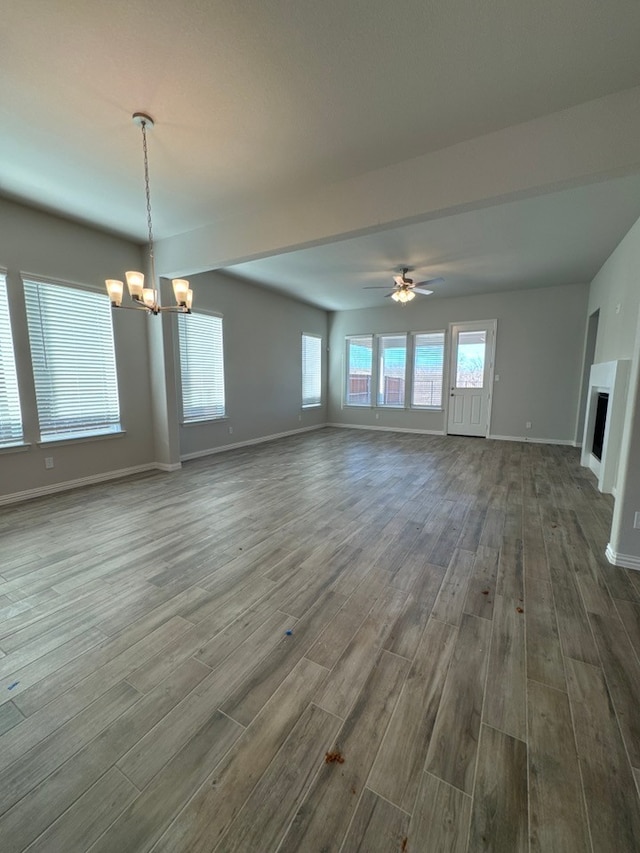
(201, 367)
(392, 359)
(428, 364)
(311, 370)
(74, 366)
(10, 415)
(359, 369)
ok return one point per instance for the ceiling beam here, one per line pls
(590, 142)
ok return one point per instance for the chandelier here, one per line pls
(403, 294)
(148, 298)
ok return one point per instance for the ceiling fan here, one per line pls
(404, 289)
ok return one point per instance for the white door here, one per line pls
(471, 375)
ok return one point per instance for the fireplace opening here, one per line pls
(601, 420)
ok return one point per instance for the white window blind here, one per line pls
(311, 370)
(201, 367)
(10, 416)
(392, 358)
(74, 365)
(428, 364)
(359, 369)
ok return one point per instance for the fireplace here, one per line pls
(602, 404)
(606, 401)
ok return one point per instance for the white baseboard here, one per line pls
(168, 466)
(264, 438)
(41, 491)
(566, 441)
(389, 429)
(625, 561)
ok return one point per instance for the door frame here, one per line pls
(490, 326)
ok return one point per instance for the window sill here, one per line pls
(204, 421)
(18, 447)
(393, 408)
(80, 439)
(312, 406)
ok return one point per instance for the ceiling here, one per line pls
(559, 238)
(256, 101)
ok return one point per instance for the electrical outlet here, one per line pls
(377, 416)
(230, 430)
(636, 521)
(48, 461)
(299, 417)
(496, 378)
(528, 424)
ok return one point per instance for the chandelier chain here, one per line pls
(147, 190)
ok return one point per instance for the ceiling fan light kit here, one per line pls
(404, 289)
(148, 298)
(403, 295)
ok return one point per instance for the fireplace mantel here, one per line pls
(612, 378)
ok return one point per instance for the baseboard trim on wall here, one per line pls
(237, 444)
(168, 466)
(41, 491)
(565, 441)
(389, 429)
(625, 561)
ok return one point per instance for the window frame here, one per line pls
(16, 439)
(345, 373)
(315, 404)
(409, 379)
(413, 336)
(379, 370)
(194, 421)
(111, 428)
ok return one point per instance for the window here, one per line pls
(470, 359)
(311, 370)
(428, 365)
(392, 370)
(10, 416)
(201, 367)
(359, 370)
(74, 366)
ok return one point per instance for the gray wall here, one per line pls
(615, 291)
(262, 351)
(538, 358)
(41, 244)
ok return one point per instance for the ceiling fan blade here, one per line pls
(429, 282)
(376, 287)
(420, 290)
(387, 295)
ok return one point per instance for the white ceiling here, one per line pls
(257, 101)
(560, 238)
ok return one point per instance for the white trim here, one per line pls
(389, 429)
(41, 491)
(625, 561)
(264, 438)
(18, 447)
(489, 325)
(566, 441)
(168, 466)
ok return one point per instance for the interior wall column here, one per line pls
(624, 543)
(164, 402)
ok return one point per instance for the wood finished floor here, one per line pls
(458, 638)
